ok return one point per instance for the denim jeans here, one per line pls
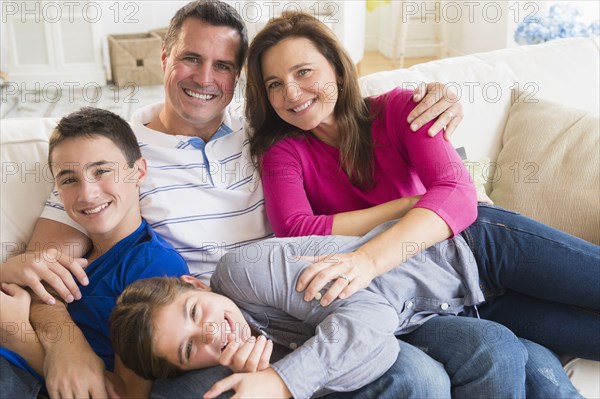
(484, 359)
(540, 282)
(480, 359)
(16, 382)
(414, 375)
(544, 375)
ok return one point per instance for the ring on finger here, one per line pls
(344, 277)
(450, 113)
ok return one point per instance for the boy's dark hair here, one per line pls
(213, 12)
(92, 122)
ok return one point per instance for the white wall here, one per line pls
(382, 25)
(472, 26)
(347, 18)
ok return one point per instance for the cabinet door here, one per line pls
(52, 42)
(29, 43)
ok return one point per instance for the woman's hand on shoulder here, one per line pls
(436, 100)
(348, 273)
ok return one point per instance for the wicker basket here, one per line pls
(135, 59)
(160, 33)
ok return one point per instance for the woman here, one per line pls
(335, 163)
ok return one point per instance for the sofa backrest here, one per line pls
(26, 179)
(564, 71)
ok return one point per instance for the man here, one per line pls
(202, 193)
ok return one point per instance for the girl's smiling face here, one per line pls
(192, 331)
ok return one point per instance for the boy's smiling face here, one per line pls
(98, 188)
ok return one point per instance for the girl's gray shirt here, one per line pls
(351, 342)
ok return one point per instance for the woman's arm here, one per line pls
(416, 231)
(448, 206)
(289, 208)
(360, 222)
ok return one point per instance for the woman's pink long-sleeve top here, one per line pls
(304, 186)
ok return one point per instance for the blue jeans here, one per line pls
(16, 382)
(479, 358)
(484, 359)
(414, 375)
(544, 375)
(540, 282)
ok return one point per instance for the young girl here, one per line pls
(333, 162)
(161, 327)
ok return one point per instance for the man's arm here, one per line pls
(53, 253)
(71, 368)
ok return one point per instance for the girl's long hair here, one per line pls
(351, 110)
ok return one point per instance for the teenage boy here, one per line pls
(203, 195)
(98, 168)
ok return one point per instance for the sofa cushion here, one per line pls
(26, 179)
(549, 166)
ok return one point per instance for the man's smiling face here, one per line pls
(200, 77)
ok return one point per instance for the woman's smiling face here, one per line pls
(301, 83)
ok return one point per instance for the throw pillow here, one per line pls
(549, 166)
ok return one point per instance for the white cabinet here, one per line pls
(52, 43)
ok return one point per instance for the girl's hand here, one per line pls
(249, 356)
(349, 273)
(263, 384)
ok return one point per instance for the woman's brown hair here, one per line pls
(351, 110)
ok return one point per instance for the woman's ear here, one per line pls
(195, 282)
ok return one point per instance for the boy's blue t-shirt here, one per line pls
(142, 254)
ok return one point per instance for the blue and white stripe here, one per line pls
(204, 198)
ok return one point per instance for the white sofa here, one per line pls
(565, 71)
